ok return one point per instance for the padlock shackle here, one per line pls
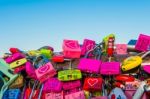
(144, 55)
(87, 53)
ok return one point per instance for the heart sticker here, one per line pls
(71, 44)
(92, 81)
(43, 69)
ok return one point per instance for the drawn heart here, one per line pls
(89, 46)
(92, 81)
(71, 44)
(43, 69)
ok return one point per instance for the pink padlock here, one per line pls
(110, 68)
(143, 43)
(71, 49)
(45, 72)
(53, 95)
(146, 68)
(30, 70)
(90, 65)
(76, 95)
(87, 45)
(121, 49)
(14, 57)
(52, 85)
(71, 84)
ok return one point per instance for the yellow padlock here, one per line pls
(131, 63)
(18, 63)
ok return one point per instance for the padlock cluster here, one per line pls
(105, 70)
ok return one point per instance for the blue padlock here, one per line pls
(12, 94)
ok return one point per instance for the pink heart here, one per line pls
(92, 81)
(43, 69)
(71, 44)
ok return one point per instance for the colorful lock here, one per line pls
(121, 49)
(90, 65)
(52, 85)
(12, 94)
(18, 63)
(110, 68)
(53, 95)
(71, 84)
(87, 45)
(14, 57)
(76, 95)
(71, 49)
(93, 84)
(68, 75)
(143, 43)
(44, 72)
(131, 63)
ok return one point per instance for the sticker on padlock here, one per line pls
(91, 65)
(93, 84)
(12, 94)
(18, 63)
(71, 49)
(143, 42)
(8, 73)
(18, 83)
(52, 85)
(87, 45)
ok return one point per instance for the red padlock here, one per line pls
(93, 84)
(125, 78)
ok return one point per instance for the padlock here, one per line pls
(91, 65)
(71, 85)
(14, 57)
(100, 97)
(142, 43)
(70, 74)
(44, 69)
(117, 93)
(146, 67)
(14, 50)
(12, 94)
(18, 83)
(59, 58)
(87, 45)
(93, 84)
(131, 45)
(76, 95)
(110, 68)
(19, 69)
(105, 42)
(71, 49)
(132, 62)
(5, 70)
(18, 63)
(124, 78)
(53, 95)
(46, 52)
(121, 49)
(52, 85)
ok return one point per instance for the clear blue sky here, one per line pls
(30, 24)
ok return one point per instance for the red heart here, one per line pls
(71, 44)
(92, 81)
(43, 69)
